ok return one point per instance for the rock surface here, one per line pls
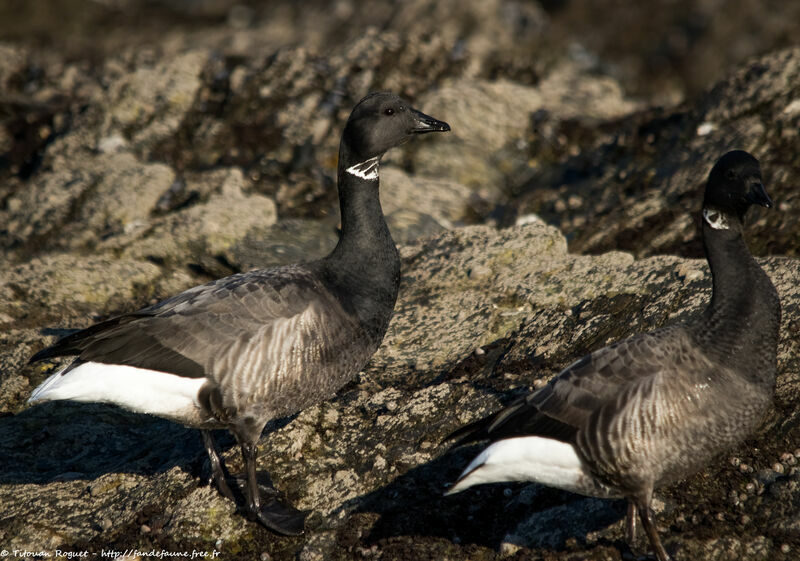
(633, 183)
(205, 143)
(507, 309)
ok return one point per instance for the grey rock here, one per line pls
(669, 49)
(48, 285)
(368, 463)
(85, 201)
(441, 198)
(149, 104)
(208, 228)
(14, 59)
(491, 121)
(287, 241)
(417, 206)
(175, 156)
(193, 102)
(407, 225)
(663, 49)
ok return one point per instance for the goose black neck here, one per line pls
(740, 325)
(364, 268)
(364, 230)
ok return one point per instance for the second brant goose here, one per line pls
(650, 410)
(242, 350)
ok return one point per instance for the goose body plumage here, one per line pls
(264, 344)
(239, 351)
(650, 410)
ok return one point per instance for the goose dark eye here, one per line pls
(389, 111)
(730, 174)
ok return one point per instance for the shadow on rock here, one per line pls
(524, 515)
(63, 441)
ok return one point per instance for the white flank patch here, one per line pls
(365, 170)
(528, 458)
(136, 389)
(716, 219)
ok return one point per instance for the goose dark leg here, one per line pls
(217, 470)
(630, 526)
(651, 530)
(271, 513)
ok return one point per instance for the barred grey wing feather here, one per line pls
(564, 406)
(190, 333)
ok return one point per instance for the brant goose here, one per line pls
(242, 350)
(652, 409)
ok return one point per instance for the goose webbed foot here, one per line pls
(263, 505)
(276, 516)
(261, 500)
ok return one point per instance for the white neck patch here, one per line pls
(716, 219)
(367, 169)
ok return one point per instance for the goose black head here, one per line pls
(734, 184)
(383, 120)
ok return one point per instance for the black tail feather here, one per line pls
(75, 342)
(472, 432)
(520, 418)
(48, 352)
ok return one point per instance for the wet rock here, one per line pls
(640, 178)
(669, 49)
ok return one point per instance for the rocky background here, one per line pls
(150, 145)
